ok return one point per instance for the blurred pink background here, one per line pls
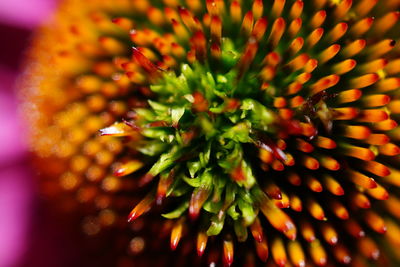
(18, 200)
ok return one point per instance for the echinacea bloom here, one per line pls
(245, 131)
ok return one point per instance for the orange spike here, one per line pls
(376, 168)
(328, 53)
(259, 28)
(337, 32)
(187, 18)
(341, 254)
(388, 84)
(296, 101)
(353, 48)
(393, 177)
(216, 29)
(307, 129)
(215, 51)
(375, 100)
(279, 102)
(298, 62)
(129, 167)
(307, 231)
(277, 8)
(314, 37)
(257, 231)
(344, 66)
(329, 234)
(353, 228)
(310, 162)
(313, 184)
(349, 96)
(325, 142)
(394, 106)
(393, 206)
(294, 88)
(179, 30)
(381, 48)
(373, 66)
(295, 203)
(375, 222)
(278, 219)
(317, 253)
(311, 65)
(176, 234)
(143, 206)
(304, 146)
(346, 113)
(201, 243)
(379, 193)
(156, 16)
(262, 250)
(329, 163)
(296, 45)
(273, 191)
(385, 23)
(318, 19)
(194, 5)
(385, 125)
(236, 11)
(393, 232)
(361, 27)
(199, 196)
(364, 6)
(325, 83)
(315, 209)
(124, 23)
(294, 27)
(277, 31)
(364, 81)
(377, 139)
(372, 115)
(389, 149)
(272, 59)
(283, 203)
(248, 56)
(357, 132)
(342, 9)
(278, 252)
(296, 9)
(257, 8)
(361, 179)
(393, 67)
(333, 186)
(200, 45)
(228, 252)
(360, 200)
(296, 254)
(247, 24)
(339, 210)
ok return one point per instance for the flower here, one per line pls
(229, 118)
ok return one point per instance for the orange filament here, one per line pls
(277, 31)
(294, 27)
(314, 37)
(353, 48)
(361, 180)
(359, 152)
(344, 66)
(361, 27)
(318, 19)
(333, 186)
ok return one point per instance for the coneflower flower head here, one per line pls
(266, 125)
